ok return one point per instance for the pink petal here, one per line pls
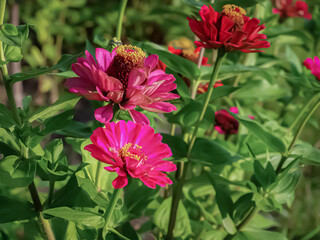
(120, 182)
(139, 117)
(104, 114)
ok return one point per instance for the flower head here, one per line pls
(230, 30)
(132, 149)
(125, 77)
(314, 66)
(225, 123)
(286, 8)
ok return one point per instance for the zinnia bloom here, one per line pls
(225, 123)
(230, 30)
(203, 87)
(314, 66)
(132, 149)
(125, 77)
(286, 8)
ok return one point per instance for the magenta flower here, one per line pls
(134, 149)
(314, 66)
(225, 123)
(287, 8)
(125, 77)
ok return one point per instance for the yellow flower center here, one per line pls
(128, 57)
(132, 151)
(131, 54)
(235, 13)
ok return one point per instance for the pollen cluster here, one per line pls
(128, 57)
(132, 151)
(235, 13)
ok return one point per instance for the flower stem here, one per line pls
(302, 112)
(313, 109)
(109, 211)
(44, 224)
(178, 190)
(122, 8)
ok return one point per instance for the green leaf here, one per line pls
(79, 217)
(190, 113)
(225, 204)
(12, 53)
(264, 176)
(8, 143)
(309, 154)
(257, 130)
(178, 147)
(13, 37)
(161, 219)
(210, 153)
(66, 102)
(242, 206)
(63, 65)
(6, 119)
(54, 165)
(57, 122)
(16, 173)
(180, 65)
(15, 210)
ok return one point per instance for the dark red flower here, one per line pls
(225, 123)
(230, 30)
(203, 87)
(286, 8)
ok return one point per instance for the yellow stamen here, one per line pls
(131, 54)
(127, 151)
(234, 12)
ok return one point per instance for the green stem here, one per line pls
(109, 211)
(213, 79)
(313, 109)
(44, 224)
(178, 190)
(122, 8)
(302, 112)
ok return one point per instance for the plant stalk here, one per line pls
(109, 211)
(178, 190)
(122, 8)
(313, 109)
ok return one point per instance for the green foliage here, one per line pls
(161, 219)
(15, 210)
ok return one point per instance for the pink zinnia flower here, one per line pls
(125, 77)
(225, 123)
(230, 30)
(314, 66)
(134, 149)
(286, 8)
